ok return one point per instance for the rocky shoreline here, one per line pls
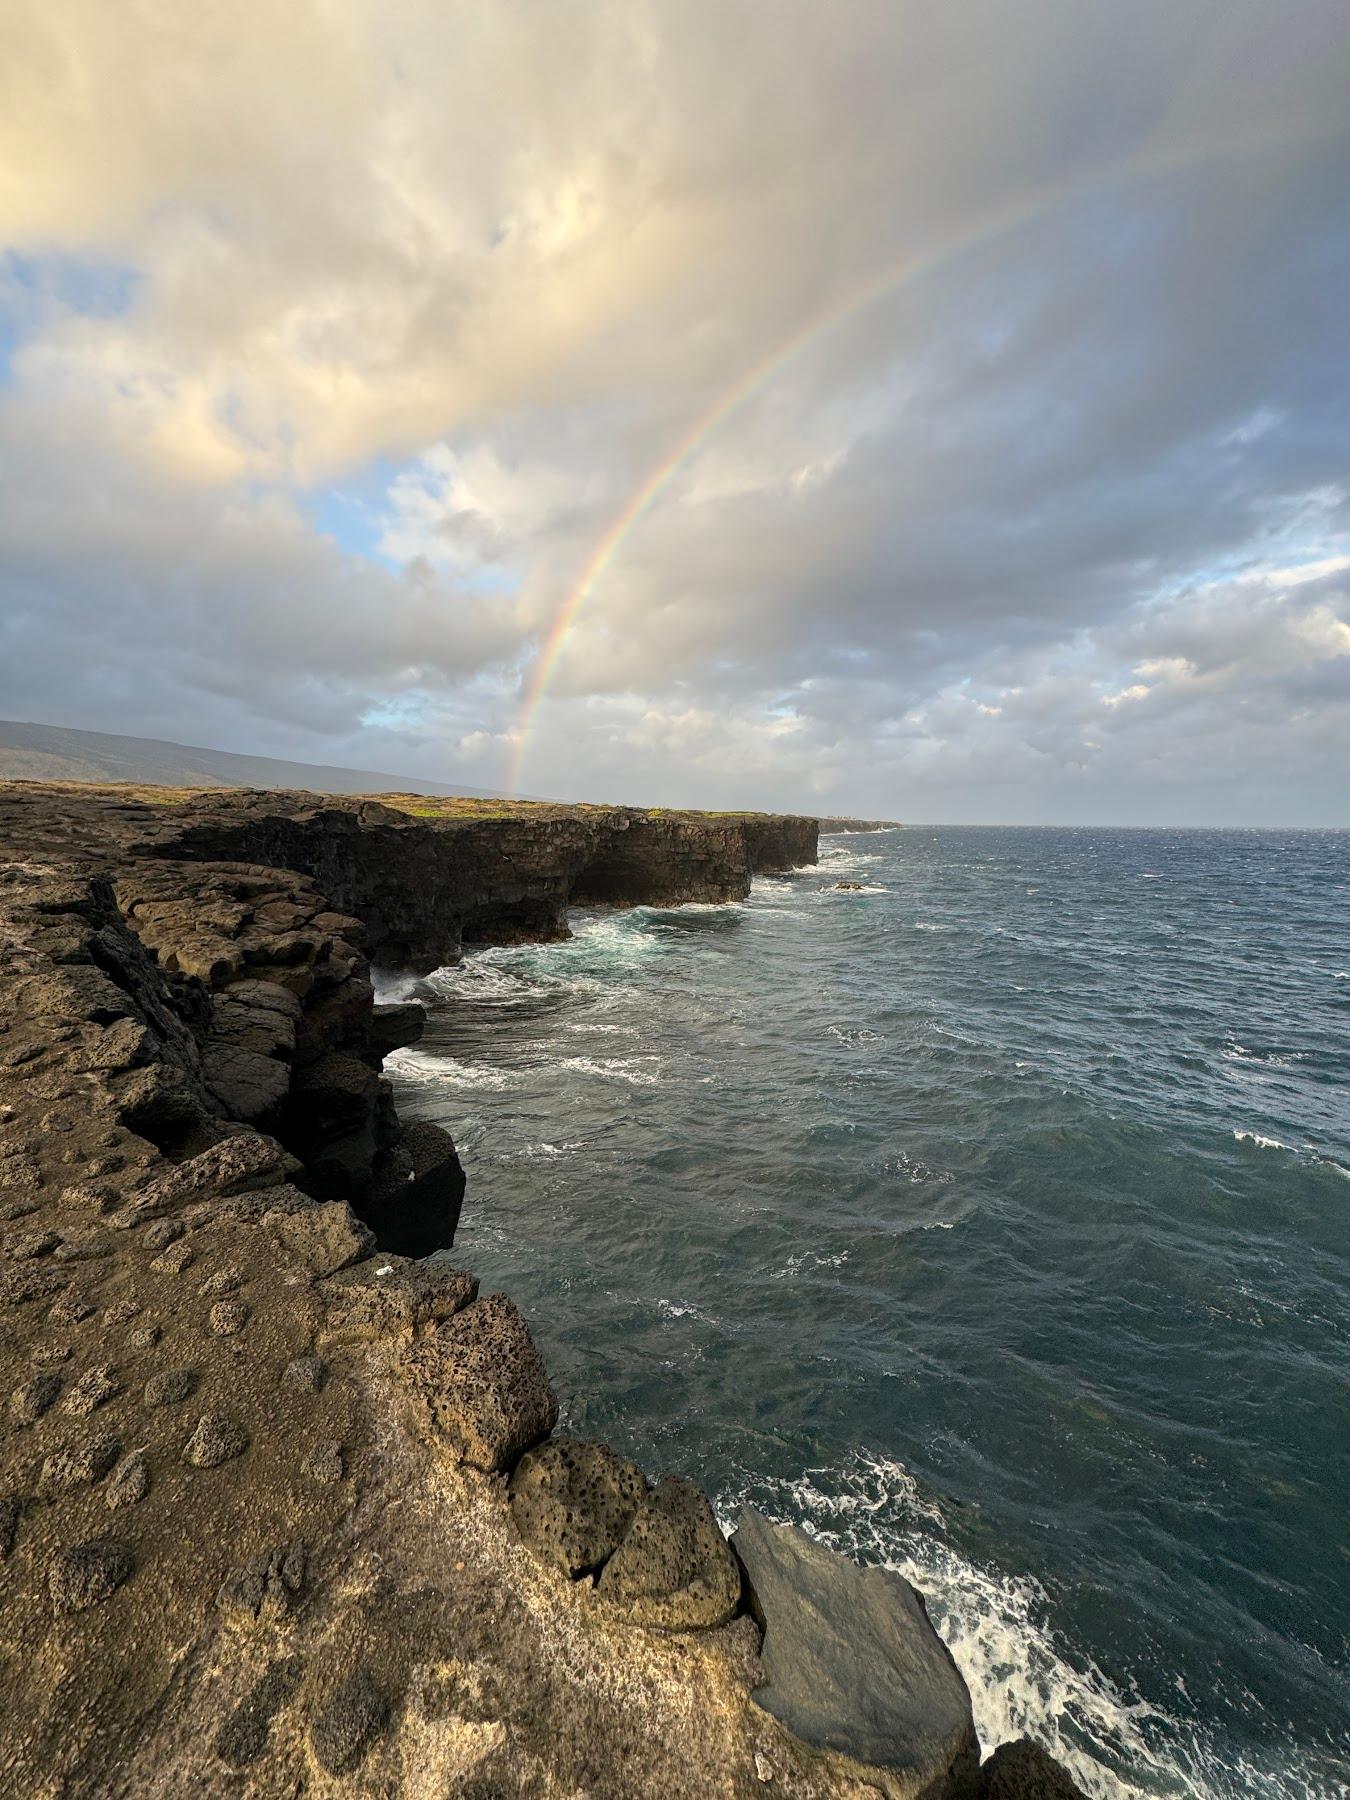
(282, 1509)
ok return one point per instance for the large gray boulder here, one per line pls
(852, 1665)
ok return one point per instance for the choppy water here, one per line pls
(994, 1223)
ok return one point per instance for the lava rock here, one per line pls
(389, 1297)
(851, 1663)
(1021, 1770)
(88, 1574)
(174, 1260)
(325, 1237)
(324, 1462)
(304, 1375)
(94, 1389)
(86, 1460)
(129, 1482)
(394, 1026)
(674, 1570)
(415, 1199)
(237, 1165)
(34, 1398)
(30, 1244)
(224, 1281)
(217, 1439)
(483, 1383)
(354, 1716)
(264, 1588)
(573, 1500)
(171, 1387)
(228, 1317)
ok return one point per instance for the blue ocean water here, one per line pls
(992, 1222)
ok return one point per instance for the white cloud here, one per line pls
(1064, 496)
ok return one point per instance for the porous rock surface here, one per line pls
(256, 1536)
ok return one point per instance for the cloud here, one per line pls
(1038, 496)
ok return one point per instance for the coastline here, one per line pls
(257, 1487)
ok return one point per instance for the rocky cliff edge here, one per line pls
(281, 1507)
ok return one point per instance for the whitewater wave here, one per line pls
(814, 1259)
(393, 987)
(854, 1034)
(419, 1068)
(614, 1068)
(683, 1309)
(916, 1172)
(1024, 1679)
(1261, 1143)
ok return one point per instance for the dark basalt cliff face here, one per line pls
(281, 1510)
(427, 881)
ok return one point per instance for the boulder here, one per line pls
(394, 1025)
(852, 1665)
(483, 1383)
(387, 1296)
(239, 1163)
(1021, 1770)
(674, 1570)
(573, 1500)
(88, 1574)
(326, 1237)
(333, 1094)
(415, 1199)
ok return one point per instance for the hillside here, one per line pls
(59, 753)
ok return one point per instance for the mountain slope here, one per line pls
(59, 753)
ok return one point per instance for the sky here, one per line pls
(931, 412)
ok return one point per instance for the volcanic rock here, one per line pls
(573, 1500)
(852, 1665)
(674, 1569)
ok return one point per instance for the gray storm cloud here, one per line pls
(340, 338)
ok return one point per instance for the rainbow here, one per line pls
(891, 279)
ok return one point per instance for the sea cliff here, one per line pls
(282, 1507)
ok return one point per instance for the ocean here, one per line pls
(990, 1220)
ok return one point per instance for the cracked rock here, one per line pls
(264, 1588)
